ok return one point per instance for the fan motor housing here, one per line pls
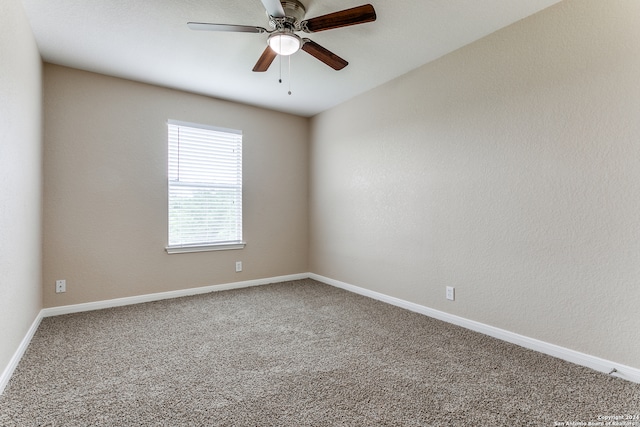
(294, 9)
(294, 12)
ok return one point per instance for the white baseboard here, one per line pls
(622, 371)
(117, 302)
(13, 363)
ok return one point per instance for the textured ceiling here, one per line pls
(148, 41)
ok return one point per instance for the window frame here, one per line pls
(202, 246)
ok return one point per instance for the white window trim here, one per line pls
(227, 246)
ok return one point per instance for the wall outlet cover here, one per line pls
(451, 293)
(61, 286)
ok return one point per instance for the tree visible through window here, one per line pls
(205, 187)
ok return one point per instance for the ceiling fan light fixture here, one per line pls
(285, 43)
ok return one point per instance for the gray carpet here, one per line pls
(293, 354)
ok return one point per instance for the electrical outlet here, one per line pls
(451, 293)
(61, 286)
(238, 266)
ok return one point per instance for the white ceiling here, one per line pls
(148, 41)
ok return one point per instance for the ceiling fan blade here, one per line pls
(343, 18)
(273, 8)
(324, 55)
(205, 26)
(265, 60)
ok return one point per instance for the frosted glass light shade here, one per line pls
(285, 44)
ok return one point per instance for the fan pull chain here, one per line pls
(280, 61)
(290, 76)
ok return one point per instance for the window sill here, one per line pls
(227, 246)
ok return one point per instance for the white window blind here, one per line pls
(205, 187)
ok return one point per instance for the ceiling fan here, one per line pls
(286, 17)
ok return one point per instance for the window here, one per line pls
(205, 188)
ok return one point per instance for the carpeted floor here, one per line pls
(294, 354)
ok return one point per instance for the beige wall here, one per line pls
(105, 194)
(509, 169)
(20, 178)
